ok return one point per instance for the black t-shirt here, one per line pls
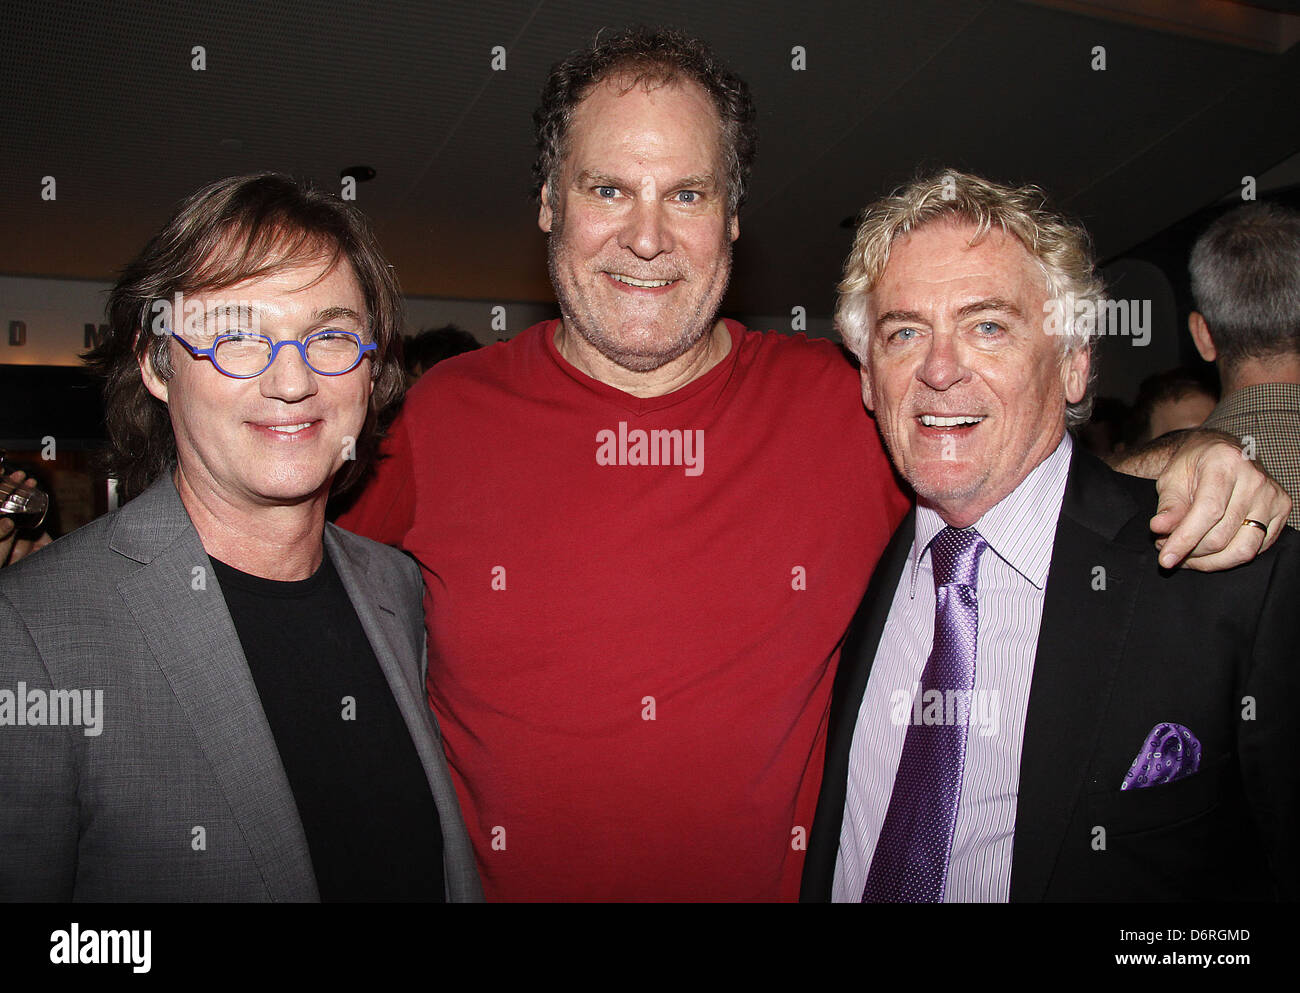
(370, 819)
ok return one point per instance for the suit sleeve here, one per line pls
(385, 509)
(1269, 705)
(38, 781)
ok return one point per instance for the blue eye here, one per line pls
(904, 334)
(606, 192)
(688, 196)
(988, 327)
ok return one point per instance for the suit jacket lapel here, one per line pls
(371, 600)
(177, 604)
(857, 655)
(1092, 589)
(381, 620)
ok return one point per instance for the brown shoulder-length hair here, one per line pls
(244, 227)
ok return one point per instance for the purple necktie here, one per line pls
(910, 864)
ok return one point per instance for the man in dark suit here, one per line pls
(211, 694)
(1028, 707)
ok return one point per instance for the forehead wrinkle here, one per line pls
(640, 133)
(996, 263)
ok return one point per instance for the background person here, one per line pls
(421, 352)
(1246, 283)
(1169, 401)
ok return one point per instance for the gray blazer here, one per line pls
(182, 795)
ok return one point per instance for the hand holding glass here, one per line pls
(22, 501)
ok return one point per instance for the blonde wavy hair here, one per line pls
(1061, 248)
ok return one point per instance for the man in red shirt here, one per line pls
(643, 530)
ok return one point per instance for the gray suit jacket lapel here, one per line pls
(371, 599)
(195, 645)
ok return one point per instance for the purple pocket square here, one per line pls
(1170, 752)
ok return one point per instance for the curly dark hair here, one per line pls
(244, 227)
(646, 57)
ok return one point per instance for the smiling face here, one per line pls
(279, 438)
(968, 388)
(640, 247)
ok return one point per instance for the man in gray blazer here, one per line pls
(213, 694)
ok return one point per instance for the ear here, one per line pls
(1201, 336)
(1074, 375)
(735, 228)
(544, 217)
(868, 397)
(152, 382)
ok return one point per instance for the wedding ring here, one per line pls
(1248, 522)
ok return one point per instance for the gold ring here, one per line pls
(1248, 522)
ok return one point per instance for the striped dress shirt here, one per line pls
(1020, 531)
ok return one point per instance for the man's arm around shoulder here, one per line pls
(1209, 494)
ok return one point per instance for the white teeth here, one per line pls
(289, 428)
(640, 282)
(931, 421)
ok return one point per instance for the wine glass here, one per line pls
(27, 505)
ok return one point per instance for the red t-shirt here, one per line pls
(634, 607)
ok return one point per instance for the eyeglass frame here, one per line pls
(363, 348)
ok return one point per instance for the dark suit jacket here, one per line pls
(129, 605)
(1151, 647)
